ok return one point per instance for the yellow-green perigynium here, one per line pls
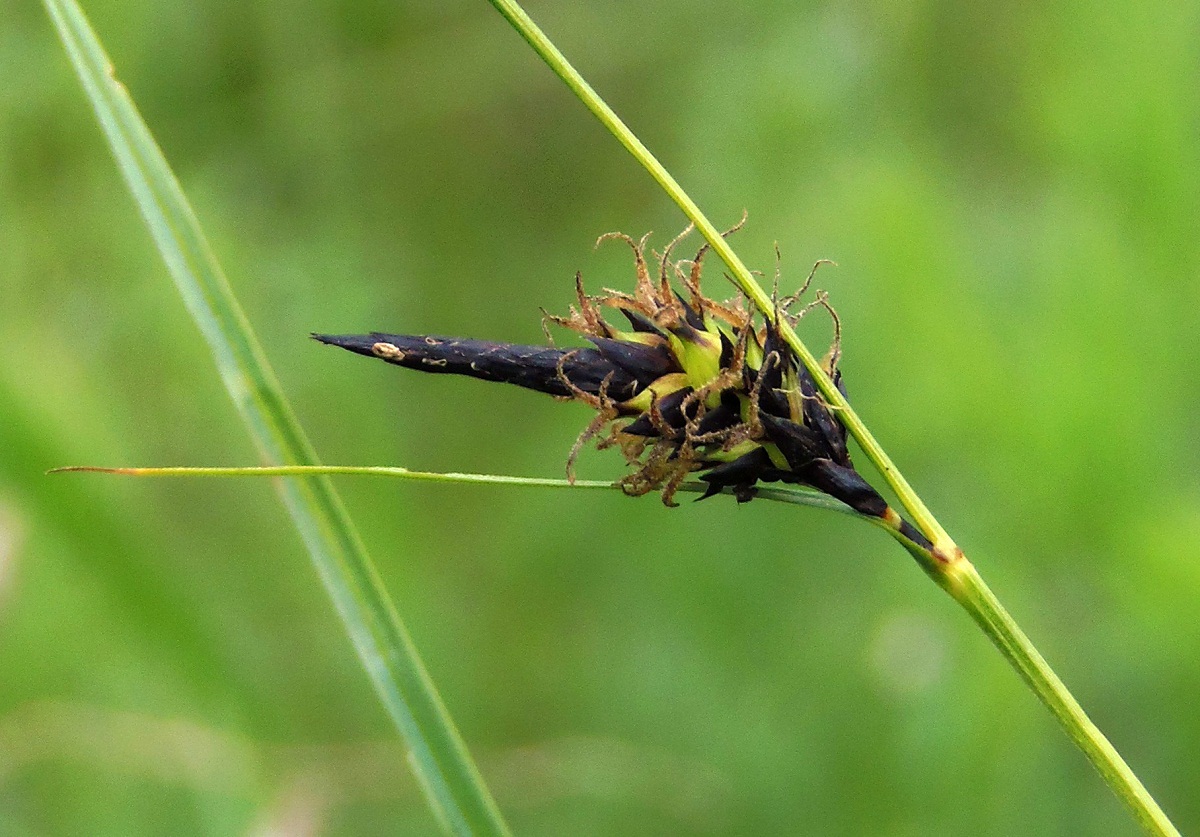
(690, 385)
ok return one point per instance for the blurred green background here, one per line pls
(1011, 192)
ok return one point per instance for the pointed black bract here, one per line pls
(641, 323)
(726, 351)
(694, 318)
(646, 363)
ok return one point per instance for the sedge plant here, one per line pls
(684, 386)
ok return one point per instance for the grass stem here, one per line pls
(950, 568)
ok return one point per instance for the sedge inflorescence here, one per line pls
(686, 386)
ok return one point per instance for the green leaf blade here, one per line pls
(444, 769)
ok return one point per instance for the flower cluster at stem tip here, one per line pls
(687, 385)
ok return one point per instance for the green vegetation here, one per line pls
(612, 665)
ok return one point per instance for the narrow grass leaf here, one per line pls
(454, 787)
(793, 495)
(787, 494)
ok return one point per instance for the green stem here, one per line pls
(950, 568)
(969, 589)
(740, 273)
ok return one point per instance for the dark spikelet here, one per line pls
(809, 458)
(532, 367)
